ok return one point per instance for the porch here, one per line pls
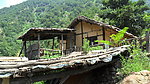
(38, 42)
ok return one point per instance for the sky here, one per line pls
(8, 3)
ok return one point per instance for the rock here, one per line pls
(142, 77)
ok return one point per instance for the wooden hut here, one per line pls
(71, 38)
(92, 30)
(75, 68)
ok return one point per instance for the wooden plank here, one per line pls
(89, 32)
(29, 63)
(69, 72)
(11, 59)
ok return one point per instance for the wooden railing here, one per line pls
(49, 51)
(79, 49)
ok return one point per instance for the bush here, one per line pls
(41, 82)
(137, 61)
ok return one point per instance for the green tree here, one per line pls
(125, 13)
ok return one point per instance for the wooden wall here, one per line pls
(84, 30)
(88, 30)
(68, 41)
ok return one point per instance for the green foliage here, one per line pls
(137, 62)
(86, 46)
(114, 4)
(41, 82)
(119, 36)
(116, 38)
(14, 21)
(96, 48)
(125, 13)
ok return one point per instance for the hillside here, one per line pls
(14, 21)
(39, 13)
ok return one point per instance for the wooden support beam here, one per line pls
(21, 50)
(25, 48)
(62, 44)
(82, 32)
(38, 45)
(71, 41)
(74, 39)
(89, 32)
(103, 30)
(53, 43)
(103, 33)
(148, 41)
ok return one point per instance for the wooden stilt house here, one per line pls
(71, 38)
(96, 67)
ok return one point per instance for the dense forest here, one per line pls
(15, 20)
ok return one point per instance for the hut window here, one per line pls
(92, 40)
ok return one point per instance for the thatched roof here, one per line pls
(74, 63)
(45, 33)
(85, 19)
